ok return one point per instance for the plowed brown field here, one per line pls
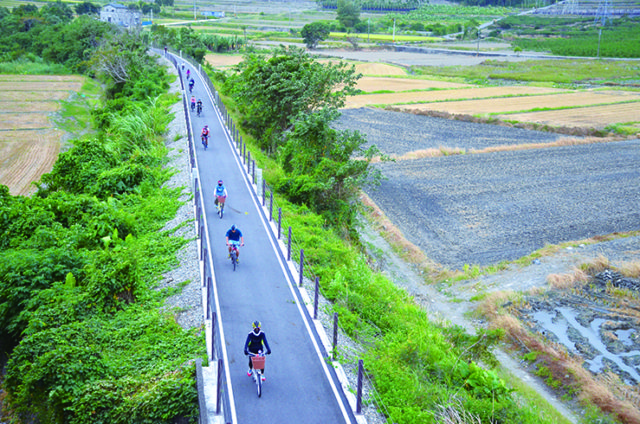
(24, 162)
(29, 143)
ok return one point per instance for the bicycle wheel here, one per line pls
(258, 382)
(221, 210)
(234, 258)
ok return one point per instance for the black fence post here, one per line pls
(204, 267)
(279, 222)
(301, 267)
(201, 242)
(253, 171)
(209, 285)
(289, 246)
(359, 388)
(214, 318)
(244, 153)
(264, 190)
(315, 299)
(248, 161)
(335, 335)
(271, 207)
(219, 396)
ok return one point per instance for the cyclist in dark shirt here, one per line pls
(256, 339)
(234, 238)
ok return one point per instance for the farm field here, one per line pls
(29, 140)
(582, 99)
(443, 95)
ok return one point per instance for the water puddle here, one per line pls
(561, 322)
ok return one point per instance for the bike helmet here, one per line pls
(219, 182)
(256, 324)
(233, 227)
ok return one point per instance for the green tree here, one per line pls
(321, 166)
(271, 91)
(87, 8)
(348, 13)
(313, 33)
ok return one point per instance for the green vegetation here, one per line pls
(561, 72)
(79, 319)
(573, 36)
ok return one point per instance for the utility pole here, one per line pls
(394, 30)
(368, 28)
(599, 36)
(194, 11)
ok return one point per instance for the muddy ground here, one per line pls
(487, 208)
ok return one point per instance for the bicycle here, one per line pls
(257, 367)
(234, 253)
(199, 109)
(205, 141)
(220, 206)
(193, 106)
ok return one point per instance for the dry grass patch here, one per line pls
(569, 280)
(222, 60)
(629, 269)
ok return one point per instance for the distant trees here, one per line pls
(313, 33)
(87, 8)
(348, 13)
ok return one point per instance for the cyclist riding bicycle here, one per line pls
(254, 344)
(221, 193)
(191, 84)
(193, 103)
(234, 238)
(205, 136)
(188, 73)
(199, 106)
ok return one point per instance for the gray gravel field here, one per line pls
(486, 208)
(399, 133)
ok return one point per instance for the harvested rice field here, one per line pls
(528, 103)
(444, 95)
(371, 84)
(29, 140)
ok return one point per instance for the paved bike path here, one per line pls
(297, 387)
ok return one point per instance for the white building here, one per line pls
(121, 15)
